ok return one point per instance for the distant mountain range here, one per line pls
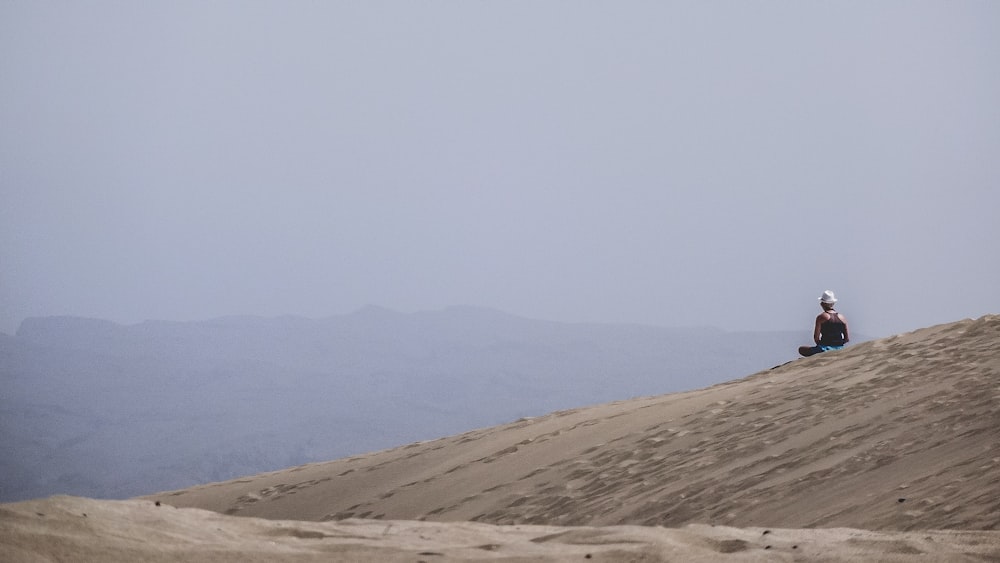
(97, 409)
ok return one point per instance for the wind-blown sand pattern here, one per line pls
(899, 437)
(82, 531)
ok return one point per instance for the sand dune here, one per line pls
(885, 451)
(895, 434)
(82, 530)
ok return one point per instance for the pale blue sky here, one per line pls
(672, 163)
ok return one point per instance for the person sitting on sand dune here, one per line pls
(830, 332)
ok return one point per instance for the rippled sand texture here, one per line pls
(89, 531)
(885, 451)
(895, 434)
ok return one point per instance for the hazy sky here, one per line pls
(673, 163)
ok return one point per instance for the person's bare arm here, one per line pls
(847, 337)
(817, 330)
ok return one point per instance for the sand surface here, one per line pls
(78, 530)
(885, 451)
(895, 434)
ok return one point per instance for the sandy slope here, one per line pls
(896, 434)
(886, 451)
(70, 529)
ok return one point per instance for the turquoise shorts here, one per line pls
(821, 348)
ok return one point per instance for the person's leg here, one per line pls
(810, 350)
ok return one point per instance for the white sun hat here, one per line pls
(828, 297)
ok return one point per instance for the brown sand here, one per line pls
(68, 529)
(899, 437)
(838, 439)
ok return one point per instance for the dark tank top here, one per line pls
(832, 331)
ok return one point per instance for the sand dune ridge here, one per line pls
(886, 451)
(894, 434)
